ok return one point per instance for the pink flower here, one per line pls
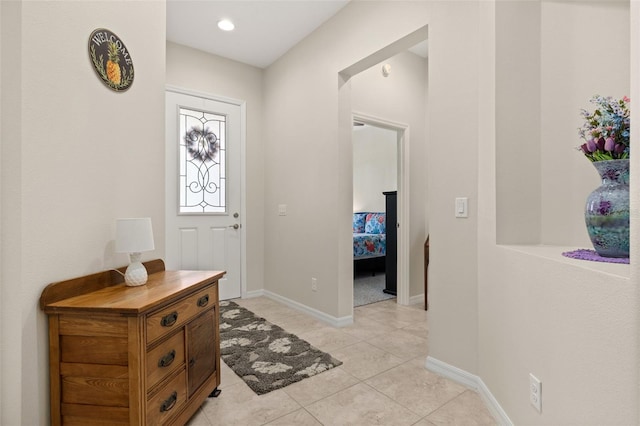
(606, 131)
(609, 144)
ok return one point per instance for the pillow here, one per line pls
(375, 223)
(358, 223)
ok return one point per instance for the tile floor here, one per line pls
(382, 380)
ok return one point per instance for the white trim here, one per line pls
(331, 320)
(493, 405)
(417, 299)
(243, 197)
(400, 45)
(403, 216)
(403, 197)
(252, 294)
(451, 372)
(205, 95)
(243, 169)
(473, 382)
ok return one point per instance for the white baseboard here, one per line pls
(471, 381)
(252, 294)
(331, 320)
(414, 300)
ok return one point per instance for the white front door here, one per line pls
(202, 185)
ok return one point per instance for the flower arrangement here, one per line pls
(606, 130)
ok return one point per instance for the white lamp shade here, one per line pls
(134, 235)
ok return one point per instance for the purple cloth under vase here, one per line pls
(585, 254)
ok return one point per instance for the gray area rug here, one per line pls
(264, 355)
(368, 289)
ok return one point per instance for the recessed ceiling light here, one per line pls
(226, 25)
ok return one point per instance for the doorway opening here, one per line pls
(375, 186)
(375, 101)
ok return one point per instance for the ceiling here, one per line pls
(265, 29)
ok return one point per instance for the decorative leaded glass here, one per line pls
(202, 162)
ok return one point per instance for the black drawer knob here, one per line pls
(169, 403)
(203, 301)
(166, 360)
(169, 319)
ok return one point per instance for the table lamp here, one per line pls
(134, 236)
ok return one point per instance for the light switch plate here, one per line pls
(462, 207)
(282, 209)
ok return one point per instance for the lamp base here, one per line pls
(136, 273)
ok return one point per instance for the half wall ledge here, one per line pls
(554, 253)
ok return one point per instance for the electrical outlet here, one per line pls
(535, 392)
(314, 284)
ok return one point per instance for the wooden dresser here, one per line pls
(118, 355)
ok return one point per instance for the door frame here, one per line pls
(402, 158)
(243, 177)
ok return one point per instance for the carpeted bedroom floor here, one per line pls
(367, 289)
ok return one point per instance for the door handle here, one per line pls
(235, 226)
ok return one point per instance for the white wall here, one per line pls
(567, 83)
(548, 70)
(75, 156)
(301, 106)
(571, 323)
(200, 71)
(518, 150)
(310, 157)
(374, 167)
(454, 105)
(10, 106)
(2, 48)
(483, 296)
(401, 98)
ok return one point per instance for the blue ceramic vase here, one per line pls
(607, 210)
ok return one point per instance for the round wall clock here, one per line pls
(111, 60)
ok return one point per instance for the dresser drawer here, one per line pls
(168, 400)
(165, 358)
(173, 316)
